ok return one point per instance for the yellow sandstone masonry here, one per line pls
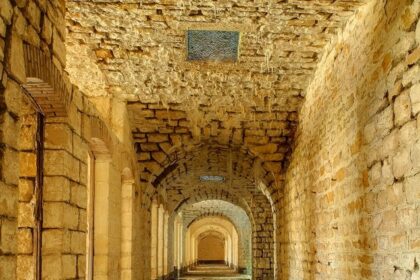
(314, 133)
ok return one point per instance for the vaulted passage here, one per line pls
(163, 139)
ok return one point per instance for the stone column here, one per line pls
(160, 241)
(101, 220)
(153, 237)
(127, 196)
(165, 242)
(180, 246)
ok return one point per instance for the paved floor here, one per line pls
(209, 272)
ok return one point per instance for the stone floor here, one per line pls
(207, 272)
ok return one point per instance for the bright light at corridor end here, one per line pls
(212, 178)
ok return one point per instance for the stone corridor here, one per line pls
(162, 139)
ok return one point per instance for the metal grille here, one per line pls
(213, 45)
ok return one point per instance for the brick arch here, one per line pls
(205, 194)
(45, 83)
(242, 164)
(219, 215)
(161, 158)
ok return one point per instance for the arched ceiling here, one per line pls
(211, 233)
(199, 210)
(187, 117)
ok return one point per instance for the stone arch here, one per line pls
(99, 137)
(223, 226)
(242, 224)
(223, 195)
(262, 224)
(164, 159)
(45, 83)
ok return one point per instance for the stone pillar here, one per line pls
(101, 220)
(90, 215)
(160, 241)
(176, 244)
(180, 246)
(153, 237)
(127, 207)
(165, 242)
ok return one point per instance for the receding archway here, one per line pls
(211, 247)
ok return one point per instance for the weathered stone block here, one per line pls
(402, 109)
(69, 266)
(33, 13)
(81, 266)
(27, 164)
(401, 163)
(384, 122)
(157, 138)
(10, 167)
(6, 11)
(47, 30)
(58, 136)
(52, 267)
(8, 201)
(412, 76)
(264, 149)
(78, 195)
(61, 163)
(15, 58)
(56, 188)
(59, 49)
(53, 241)
(80, 148)
(78, 243)
(8, 237)
(53, 215)
(413, 57)
(71, 217)
(415, 98)
(408, 135)
(10, 131)
(20, 23)
(24, 241)
(8, 262)
(26, 216)
(27, 137)
(83, 226)
(13, 97)
(26, 265)
(2, 33)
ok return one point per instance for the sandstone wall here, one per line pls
(32, 41)
(350, 208)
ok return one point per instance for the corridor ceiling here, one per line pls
(136, 50)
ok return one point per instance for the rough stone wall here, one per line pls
(40, 24)
(350, 208)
